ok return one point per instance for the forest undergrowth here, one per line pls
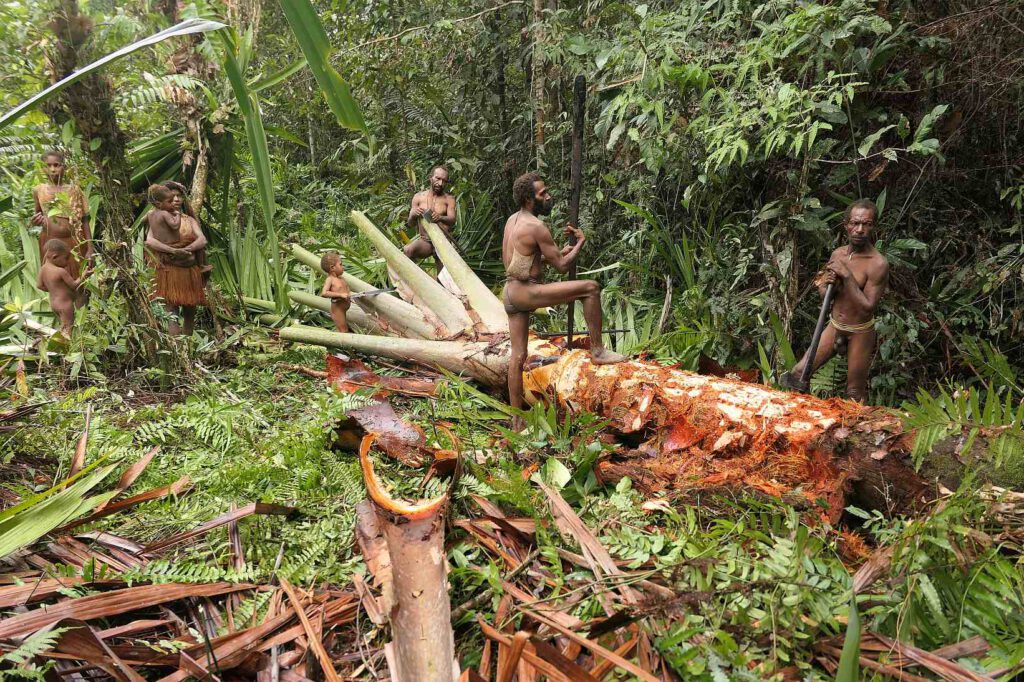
(758, 584)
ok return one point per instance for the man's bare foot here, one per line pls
(603, 356)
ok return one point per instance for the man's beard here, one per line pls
(543, 207)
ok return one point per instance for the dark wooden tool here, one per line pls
(804, 383)
(579, 98)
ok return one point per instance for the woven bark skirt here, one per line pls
(180, 286)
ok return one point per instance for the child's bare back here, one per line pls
(55, 279)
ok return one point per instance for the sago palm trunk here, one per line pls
(429, 296)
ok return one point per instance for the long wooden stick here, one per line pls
(812, 351)
(579, 96)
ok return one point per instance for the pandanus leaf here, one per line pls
(184, 28)
(312, 38)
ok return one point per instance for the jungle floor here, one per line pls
(231, 549)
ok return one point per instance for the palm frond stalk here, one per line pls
(404, 318)
(356, 317)
(481, 299)
(428, 295)
(476, 360)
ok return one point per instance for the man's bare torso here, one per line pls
(865, 266)
(520, 236)
(437, 204)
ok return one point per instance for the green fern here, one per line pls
(33, 646)
(965, 412)
(157, 89)
(161, 571)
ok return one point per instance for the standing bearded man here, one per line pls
(861, 275)
(527, 244)
(438, 206)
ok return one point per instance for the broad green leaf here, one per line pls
(26, 523)
(184, 28)
(312, 38)
(285, 134)
(278, 77)
(849, 665)
(865, 147)
(12, 272)
(248, 105)
(928, 122)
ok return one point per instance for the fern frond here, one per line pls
(33, 646)
(175, 88)
(970, 413)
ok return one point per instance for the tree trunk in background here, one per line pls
(169, 8)
(312, 148)
(88, 104)
(537, 81)
(197, 195)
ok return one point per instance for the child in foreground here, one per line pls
(55, 278)
(336, 289)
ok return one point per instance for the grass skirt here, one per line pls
(180, 286)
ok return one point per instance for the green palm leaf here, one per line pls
(312, 38)
(248, 105)
(184, 28)
(849, 667)
(34, 518)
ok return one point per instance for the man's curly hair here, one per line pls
(523, 190)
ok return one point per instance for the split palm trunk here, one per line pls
(481, 300)
(420, 609)
(392, 313)
(356, 316)
(681, 431)
(429, 296)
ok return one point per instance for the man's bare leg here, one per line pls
(859, 354)
(599, 355)
(533, 296)
(418, 249)
(826, 349)
(519, 331)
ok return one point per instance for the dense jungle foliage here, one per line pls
(725, 138)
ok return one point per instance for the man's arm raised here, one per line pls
(557, 258)
(415, 212)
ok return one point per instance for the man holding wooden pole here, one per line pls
(856, 276)
(527, 244)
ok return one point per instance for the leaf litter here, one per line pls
(542, 592)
